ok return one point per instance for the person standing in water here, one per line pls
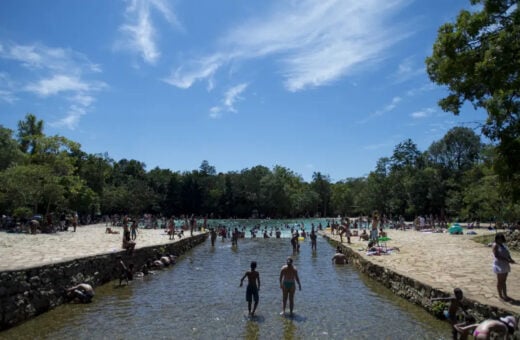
(253, 286)
(313, 239)
(288, 279)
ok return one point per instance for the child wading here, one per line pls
(253, 277)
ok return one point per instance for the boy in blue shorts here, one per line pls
(253, 277)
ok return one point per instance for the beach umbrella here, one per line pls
(455, 229)
(384, 239)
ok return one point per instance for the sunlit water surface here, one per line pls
(200, 298)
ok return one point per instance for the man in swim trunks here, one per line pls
(253, 277)
(288, 278)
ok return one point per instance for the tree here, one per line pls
(478, 59)
(9, 149)
(457, 151)
(28, 133)
(321, 185)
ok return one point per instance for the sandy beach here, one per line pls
(19, 251)
(446, 261)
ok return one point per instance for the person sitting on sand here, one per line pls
(363, 236)
(82, 292)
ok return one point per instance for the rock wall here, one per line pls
(413, 290)
(29, 292)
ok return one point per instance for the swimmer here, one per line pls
(253, 277)
(339, 257)
(82, 292)
(288, 278)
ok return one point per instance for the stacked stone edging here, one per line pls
(412, 290)
(26, 293)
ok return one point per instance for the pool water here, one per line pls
(200, 298)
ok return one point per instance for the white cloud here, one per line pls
(139, 32)
(71, 120)
(425, 88)
(53, 72)
(57, 83)
(184, 77)
(422, 113)
(387, 108)
(315, 42)
(7, 96)
(231, 96)
(407, 70)
(215, 112)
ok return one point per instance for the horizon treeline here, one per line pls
(452, 179)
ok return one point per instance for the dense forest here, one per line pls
(454, 178)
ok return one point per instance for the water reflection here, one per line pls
(200, 298)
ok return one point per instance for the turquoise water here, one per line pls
(200, 298)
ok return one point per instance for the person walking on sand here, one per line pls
(288, 279)
(133, 229)
(253, 286)
(501, 265)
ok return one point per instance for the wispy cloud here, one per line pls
(231, 96)
(52, 72)
(425, 88)
(387, 108)
(7, 87)
(139, 32)
(407, 70)
(422, 113)
(314, 42)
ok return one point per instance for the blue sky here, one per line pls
(329, 86)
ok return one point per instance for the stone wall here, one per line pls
(413, 290)
(29, 292)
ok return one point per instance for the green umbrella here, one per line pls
(384, 239)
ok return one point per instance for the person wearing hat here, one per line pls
(288, 279)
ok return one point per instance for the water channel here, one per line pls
(200, 298)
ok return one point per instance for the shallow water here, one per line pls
(200, 298)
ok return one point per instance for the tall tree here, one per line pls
(29, 130)
(478, 59)
(9, 149)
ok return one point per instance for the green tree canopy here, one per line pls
(478, 59)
